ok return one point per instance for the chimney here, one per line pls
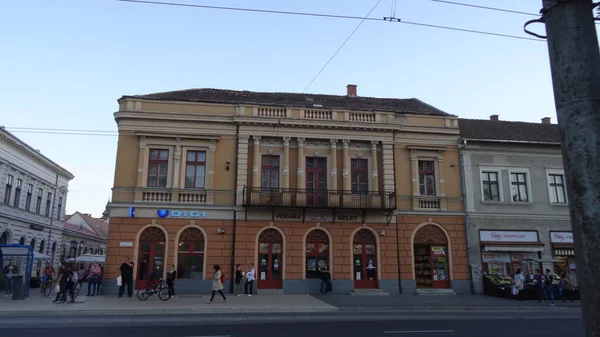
(351, 90)
(546, 120)
(494, 117)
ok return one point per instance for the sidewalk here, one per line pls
(190, 304)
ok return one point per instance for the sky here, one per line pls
(65, 64)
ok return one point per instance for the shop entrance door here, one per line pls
(364, 259)
(270, 260)
(441, 274)
(151, 255)
(431, 258)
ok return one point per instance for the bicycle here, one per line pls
(50, 286)
(160, 289)
(47, 287)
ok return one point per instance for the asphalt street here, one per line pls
(525, 327)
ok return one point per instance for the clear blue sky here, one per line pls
(65, 63)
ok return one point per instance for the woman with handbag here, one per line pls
(93, 279)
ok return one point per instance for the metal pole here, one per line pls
(575, 65)
(52, 220)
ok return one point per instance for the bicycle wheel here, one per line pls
(163, 294)
(75, 293)
(142, 294)
(48, 290)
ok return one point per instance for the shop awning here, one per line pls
(513, 248)
(564, 252)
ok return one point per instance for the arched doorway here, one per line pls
(431, 258)
(317, 253)
(151, 254)
(5, 238)
(190, 254)
(364, 252)
(270, 259)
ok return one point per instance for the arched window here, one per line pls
(42, 244)
(317, 253)
(5, 239)
(53, 248)
(22, 241)
(32, 244)
(190, 254)
(85, 250)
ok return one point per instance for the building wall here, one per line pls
(539, 214)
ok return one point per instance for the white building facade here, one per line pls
(33, 197)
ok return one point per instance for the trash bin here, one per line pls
(18, 287)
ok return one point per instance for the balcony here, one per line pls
(324, 199)
(174, 195)
(427, 203)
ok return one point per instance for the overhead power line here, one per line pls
(341, 46)
(485, 7)
(332, 16)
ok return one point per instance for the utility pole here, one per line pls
(575, 65)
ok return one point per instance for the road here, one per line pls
(524, 327)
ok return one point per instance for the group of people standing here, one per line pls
(547, 284)
(68, 279)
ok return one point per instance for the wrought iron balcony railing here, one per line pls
(287, 197)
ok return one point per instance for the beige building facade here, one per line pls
(369, 187)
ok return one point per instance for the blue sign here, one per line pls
(132, 212)
(163, 213)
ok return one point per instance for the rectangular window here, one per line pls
(59, 209)
(518, 187)
(491, 188)
(195, 169)
(8, 189)
(17, 199)
(269, 172)
(359, 173)
(190, 260)
(48, 204)
(158, 164)
(38, 205)
(558, 193)
(427, 177)
(29, 196)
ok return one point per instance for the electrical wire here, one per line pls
(342, 46)
(485, 7)
(474, 31)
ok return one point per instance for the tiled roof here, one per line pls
(409, 105)
(508, 131)
(98, 226)
(76, 228)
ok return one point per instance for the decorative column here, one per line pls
(242, 172)
(210, 171)
(176, 165)
(374, 167)
(414, 169)
(285, 181)
(142, 162)
(346, 179)
(300, 195)
(334, 195)
(256, 163)
(441, 191)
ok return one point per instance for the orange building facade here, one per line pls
(368, 187)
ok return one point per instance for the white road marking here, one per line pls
(421, 331)
(212, 336)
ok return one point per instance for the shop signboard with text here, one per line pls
(508, 236)
(561, 237)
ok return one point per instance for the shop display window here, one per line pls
(566, 265)
(317, 253)
(503, 263)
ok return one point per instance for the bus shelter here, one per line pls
(17, 259)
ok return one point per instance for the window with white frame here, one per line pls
(519, 189)
(491, 185)
(557, 188)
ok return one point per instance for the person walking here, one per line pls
(250, 277)
(538, 281)
(325, 277)
(565, 288)
(63, 275)
(239, 276)
(217, 284)
(82, 275)
(549, 287)
(126, 271)
(93, 279)
(519, 284)
(171, 277)
(8, 272)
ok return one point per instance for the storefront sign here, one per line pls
(508, 236)
(36, 227)
(438, 250)
(288, 216)
(347, 217)
(163, 213)
(561, 237)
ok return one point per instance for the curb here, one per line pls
(464, 309)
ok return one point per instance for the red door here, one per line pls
(316, 181)
(270, 260)
(151, 255)
(441, 274)
(365, 260)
